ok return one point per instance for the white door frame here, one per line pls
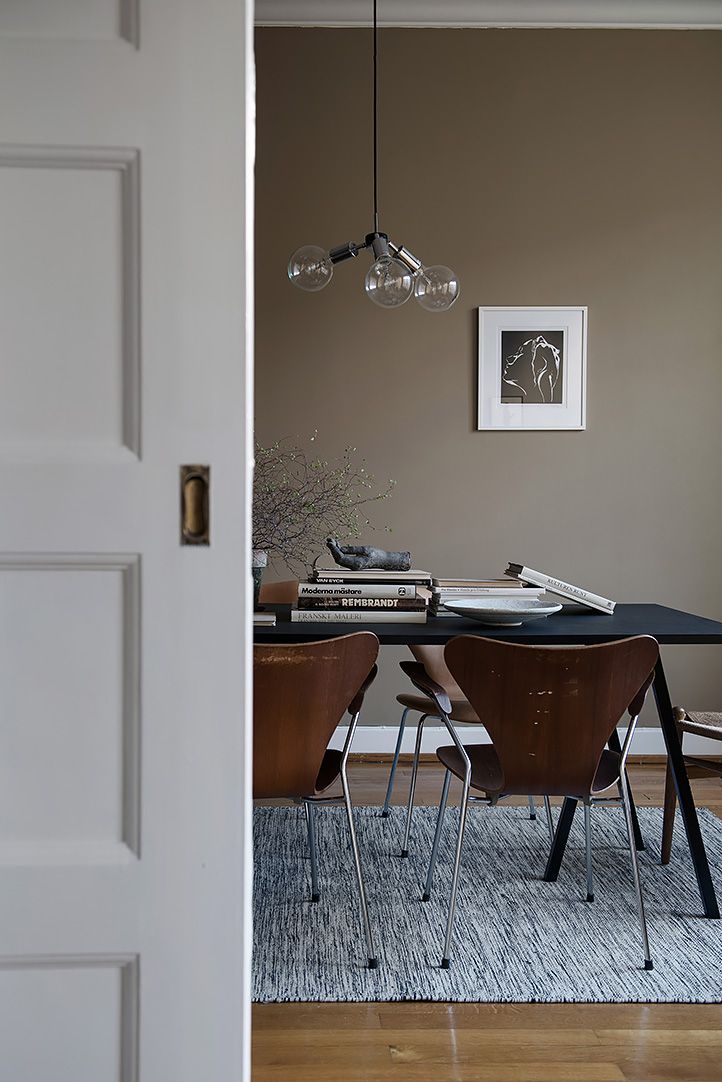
(248, 464)
(126, 314)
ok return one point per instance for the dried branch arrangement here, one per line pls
(300, 499)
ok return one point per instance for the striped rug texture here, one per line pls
(517, 939)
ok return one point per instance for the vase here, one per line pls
(259, 561)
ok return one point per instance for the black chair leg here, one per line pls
(561, 835)
(684, 794)
(670, 805)
(311, 823)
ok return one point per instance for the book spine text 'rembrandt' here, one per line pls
(410, 604)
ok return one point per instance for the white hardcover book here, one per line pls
(526, 593)
(347, 589)
(372, 574)
(444, 584)
(563, 589)
(357, 616)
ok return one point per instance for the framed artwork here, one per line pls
(532, 368)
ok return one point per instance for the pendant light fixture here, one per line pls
(396, 273)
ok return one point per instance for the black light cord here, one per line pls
(376, 126)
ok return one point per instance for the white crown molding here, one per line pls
(575, 14)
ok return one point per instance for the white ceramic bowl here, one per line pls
(501, 611)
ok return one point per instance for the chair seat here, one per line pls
(702, 723)
(486, 772)
(461, 710)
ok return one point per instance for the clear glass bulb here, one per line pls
(436, 288)
(310, 268)
(388, 284)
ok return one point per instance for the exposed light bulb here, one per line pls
(436, 288)
(388, 284)
(310, 268)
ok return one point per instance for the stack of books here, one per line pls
(264, 619)
(562, 589)
(336, 595)
(443, 590)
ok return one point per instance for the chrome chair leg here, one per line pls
(437, 835)
(372, 960)
(446, 960)
(532, 807)
(624, 788)
(394, 764)
(550, 821)
(412, 787)
(588, 848)
(311, 823)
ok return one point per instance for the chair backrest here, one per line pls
(551, 710)
(432, 658)
(278, 593)
(300, 694)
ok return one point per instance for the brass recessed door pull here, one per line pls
(195, 505)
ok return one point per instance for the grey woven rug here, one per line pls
(517, 939)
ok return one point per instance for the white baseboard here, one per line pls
(381, 740)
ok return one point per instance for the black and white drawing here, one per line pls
(532, 366)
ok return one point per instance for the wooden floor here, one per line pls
(471, 1042)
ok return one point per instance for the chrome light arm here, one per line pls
(406, 258)
(345, 251)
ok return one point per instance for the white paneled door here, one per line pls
(125, 329)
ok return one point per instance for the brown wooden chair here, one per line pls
(278, 593)
(300, 694)
(550, 712)
(700, 723)
(432, 658)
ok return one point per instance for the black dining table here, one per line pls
(574, 625)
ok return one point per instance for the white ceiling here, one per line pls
(632, 14)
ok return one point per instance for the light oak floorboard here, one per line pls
(490, 1042)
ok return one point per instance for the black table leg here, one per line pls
(614, 745)
(561, 834)
(684, 793)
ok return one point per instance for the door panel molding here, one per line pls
(73, 20)
(128, 968)
(125, 161)
(38, 852)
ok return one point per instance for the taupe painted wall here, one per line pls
(546, 167)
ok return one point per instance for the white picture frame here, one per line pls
(532, 372)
